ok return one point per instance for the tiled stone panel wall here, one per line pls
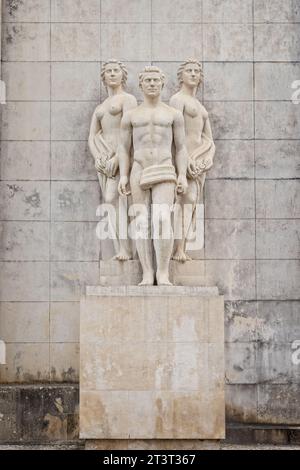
(52, 53)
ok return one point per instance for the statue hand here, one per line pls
(112, 166)
(182, 184)
(191, 169)
(122, 186)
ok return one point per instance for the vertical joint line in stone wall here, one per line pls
(100, 55)
(50, 189)
(151, 31)
(254, 180)
(203, 89)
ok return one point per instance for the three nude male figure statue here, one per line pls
(157, 152)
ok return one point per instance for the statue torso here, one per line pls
(152, 134)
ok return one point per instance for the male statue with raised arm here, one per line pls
(151, 128)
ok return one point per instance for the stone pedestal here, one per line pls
(152, 363)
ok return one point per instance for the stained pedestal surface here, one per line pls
(152, 363)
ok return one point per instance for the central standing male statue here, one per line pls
(152, 127)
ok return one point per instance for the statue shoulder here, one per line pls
(130, 100)
(203, 110)
(177, 101)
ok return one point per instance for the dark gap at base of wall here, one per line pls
(49, 413)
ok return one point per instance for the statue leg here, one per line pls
(142, 223)
(186, 202)
(122, 246)
(163, 196)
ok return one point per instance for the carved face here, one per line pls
(152, 84)
(113, 75)
(191, 75)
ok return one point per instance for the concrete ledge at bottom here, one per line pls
(152, 363)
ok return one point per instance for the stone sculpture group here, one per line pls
(156, 154)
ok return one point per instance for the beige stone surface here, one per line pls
(152, 363)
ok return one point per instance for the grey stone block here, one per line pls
(276, 42)
(234, 278)
(278, 403)
(74, 241)
(24, 281)
(274, 81)
(128, 42)
(227, 199)
(24, 322)
(231, 120)
(273, 11)
(223, 43)
(26, 42)
(240, 363)
(9, 428)
(274, 364)
(75, 201)
(75, 42)
(229, 239)
(71, 120)
(277, 159)
(26, 362)
(228, 81)
(277, 199)
(131, 11)
(25, 160)
(176, 11)
(233, 159)
(20, 86)
(24, 200)
(24, 241)
(278, 279)
(83, 11)
(31, 11)
(64, 362)
(276, 120)
(165, 47)
(278, 322)
(276, 239)
(241, 403)
(68, 279)
(72, 161)
(26, 121)
(69, 81)
(230, 11)
(241, 322)
(64, 322)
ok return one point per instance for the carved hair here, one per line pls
(151, 68)
(182, 66)
(122, 67)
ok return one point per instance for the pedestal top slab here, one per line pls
(149, 291)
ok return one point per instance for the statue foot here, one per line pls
(181, 256)
(122, 256)
(163, 279)
(148, 280)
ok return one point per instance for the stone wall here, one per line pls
(51, 58)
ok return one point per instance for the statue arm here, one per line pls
(181, 155)
(124, 153)
(208, 133)
(94, 129)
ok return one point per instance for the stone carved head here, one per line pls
(151, 69)
(114, 73)
(190, 72)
